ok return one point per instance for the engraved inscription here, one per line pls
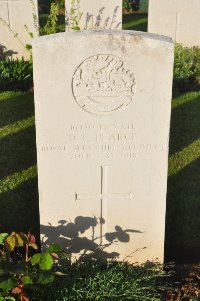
(109, 141)
(102, 85)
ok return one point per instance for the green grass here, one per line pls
(18, 174)
(90, 281)
(135, 22)
(183, 205)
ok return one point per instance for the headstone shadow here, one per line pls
(182, 239)
(20, 152)
(15, 108)
(185, 125)
(20, 209)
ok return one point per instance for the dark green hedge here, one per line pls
(186, 68)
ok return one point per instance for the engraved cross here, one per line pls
(103, 196)
(177, 25)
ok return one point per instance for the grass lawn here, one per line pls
(135, 22)
(90, 281)
(183, 200)
(18, 174)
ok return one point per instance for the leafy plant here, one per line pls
(20, 268)
(15, 75)
(74, 16)
(113, 281)
(51, 25)
(61, 4)
(186, 67)
(35, 18)
(127, 5)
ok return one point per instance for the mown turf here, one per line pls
(183, 199)
(18, 174)
(90, 281)
(135, 22)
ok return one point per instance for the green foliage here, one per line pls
(74, 16)
(15, 75)
(127, 5)
(61, 4)
(19, 269)
(51, 25)
(114, 281)
(45, 260)
(186, 68)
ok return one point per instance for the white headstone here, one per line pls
(179, 19)
(103, 103)
(18, 18)
(95, 14)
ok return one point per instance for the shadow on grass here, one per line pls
(182, 219)
(138, 22)
(183, 198)
(18, 196)
(17, 152)
(19, 208)
(15, 107)
(185, 125)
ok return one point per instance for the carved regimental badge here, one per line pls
(102, 85)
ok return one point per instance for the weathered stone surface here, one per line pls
(178, 19)
(17, 21)
(104, 14)
(103, 103)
